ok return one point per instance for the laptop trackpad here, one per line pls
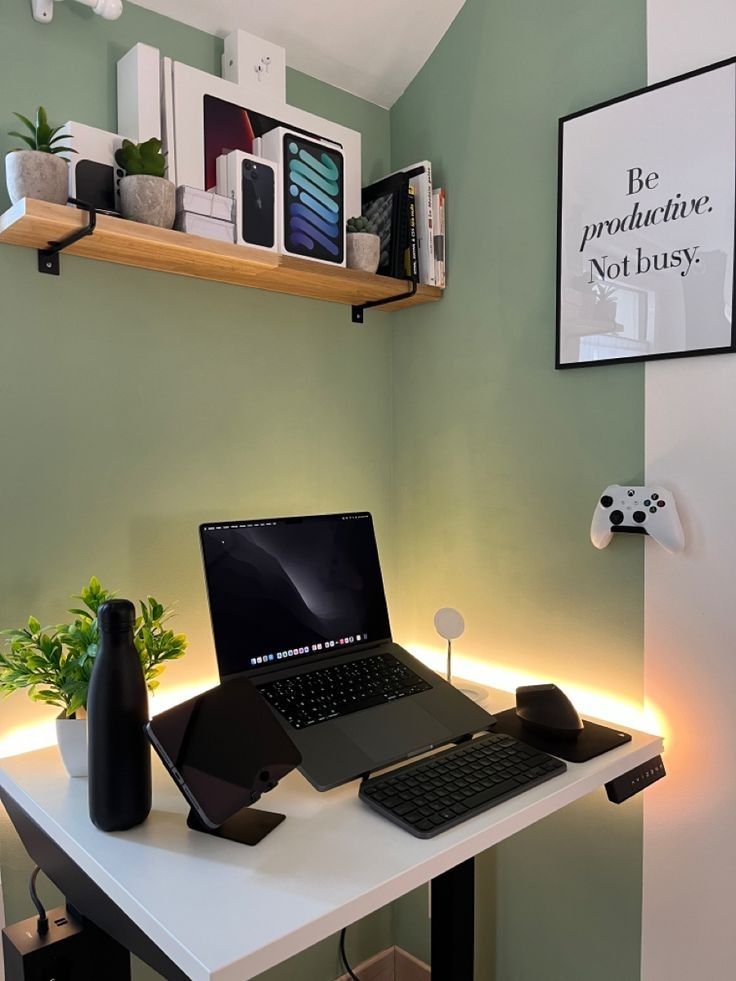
(389, 732)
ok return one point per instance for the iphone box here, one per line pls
(252, 183)
(311, 196)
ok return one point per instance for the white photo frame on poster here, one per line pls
(187, 93)
(646, 223)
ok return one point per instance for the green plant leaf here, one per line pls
(26, 121)
(26, 139)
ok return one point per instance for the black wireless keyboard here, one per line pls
(435, 793)
(339, 689)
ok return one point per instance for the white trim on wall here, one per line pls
(689, 871)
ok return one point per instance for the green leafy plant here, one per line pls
(55, 663)
(42, 136)
(362, 224)
(142, 158)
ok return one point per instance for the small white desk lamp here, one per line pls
(450, 624)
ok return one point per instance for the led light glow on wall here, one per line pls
(599, 705)
(588, 701)
(39, 735)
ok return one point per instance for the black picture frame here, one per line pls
(727, 348)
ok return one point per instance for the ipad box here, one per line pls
(311, 195)
(251, 183)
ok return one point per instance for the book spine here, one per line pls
(413, 255)
(423, 186)
(439, 236)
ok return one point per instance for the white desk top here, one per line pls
(225, 912)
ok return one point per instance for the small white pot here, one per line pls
(71, 735)
(363, 251)
(148, 200)
(32, 174)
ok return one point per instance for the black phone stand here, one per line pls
(247, 827)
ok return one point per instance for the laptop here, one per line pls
(298, 606)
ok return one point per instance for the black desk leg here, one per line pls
(453, 923)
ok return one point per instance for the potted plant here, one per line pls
(55, 663)
(363, 244)
(146, 195)
(38, 171)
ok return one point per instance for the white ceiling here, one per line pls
(372, 48)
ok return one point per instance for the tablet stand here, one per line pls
(247, 827)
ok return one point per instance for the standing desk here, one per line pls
(198, 907)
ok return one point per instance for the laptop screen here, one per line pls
(282, 589)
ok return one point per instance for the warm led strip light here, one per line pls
(25, 738)
(588, 701)
(598, 704)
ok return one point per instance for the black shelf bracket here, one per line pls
(48, 258)
(358, 310)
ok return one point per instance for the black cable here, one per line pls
(343, 956)
(43, 921)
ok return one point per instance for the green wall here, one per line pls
(498, 458)
(479, 461)
(134, 405)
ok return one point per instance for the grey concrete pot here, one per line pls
(32, 174)
(149, 200)
(363, 251)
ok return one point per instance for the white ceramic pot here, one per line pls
(148, 200)
(71, 735)
(363, 251)
(32, 174)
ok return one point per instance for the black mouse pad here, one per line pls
(592, 741)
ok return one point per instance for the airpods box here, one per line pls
(92, 176)
(312, 197)
(252, 184)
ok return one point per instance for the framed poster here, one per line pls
(645, 226)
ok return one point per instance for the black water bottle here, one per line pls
(119, 754)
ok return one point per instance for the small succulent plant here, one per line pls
(42, 136)
(142, 158)
(362, 224)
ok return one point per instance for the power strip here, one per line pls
(70, 951)
(636, 780)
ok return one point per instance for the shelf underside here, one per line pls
(34, 224)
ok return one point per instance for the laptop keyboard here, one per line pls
(340, 689)
(435, 793)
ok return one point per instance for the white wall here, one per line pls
(689, 913)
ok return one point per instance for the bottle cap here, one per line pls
(116, 615)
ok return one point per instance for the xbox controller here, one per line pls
(637, 510)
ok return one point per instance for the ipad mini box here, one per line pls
(92, 176)
(252, 184)
(311, 195)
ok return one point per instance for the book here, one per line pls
(411, 267)
(385, 203)
(440, 236)
(420, 178)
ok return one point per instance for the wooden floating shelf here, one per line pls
(34, 224)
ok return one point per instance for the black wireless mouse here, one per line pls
(545, 708)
